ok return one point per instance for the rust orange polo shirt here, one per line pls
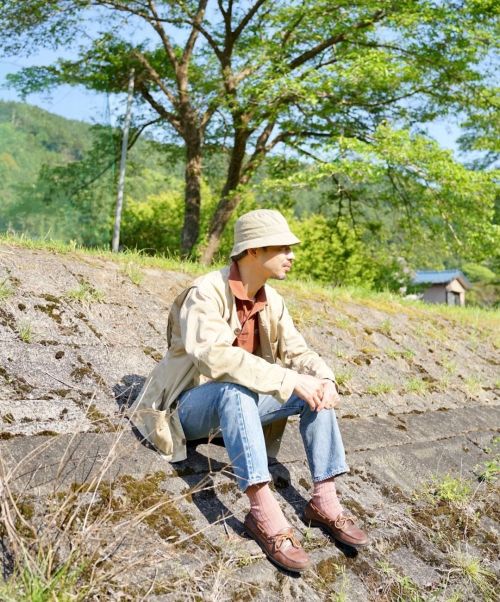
(247, 310)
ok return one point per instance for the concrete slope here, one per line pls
(419, 417)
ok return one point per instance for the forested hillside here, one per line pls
(59, 181)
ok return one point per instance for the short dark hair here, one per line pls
(240, 255)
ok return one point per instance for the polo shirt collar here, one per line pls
(238, 289)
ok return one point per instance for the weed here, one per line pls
(385, 327)
(455, 491)
(25, 331)
(5, 290)
(472, 569)
(393, 353)
(489, 471)
(449, 365)
(398, 588)
(473, 385)
(341, 596)
(85, 293)
(380, 388)
(416, 385)
(133, 272)
(65, 547)
(343, 377)
(409, 355)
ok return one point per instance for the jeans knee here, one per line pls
(245, 396)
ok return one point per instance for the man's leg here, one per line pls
(326, 457)
(322, 442)
(232, 409)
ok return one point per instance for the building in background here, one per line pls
(447, 286)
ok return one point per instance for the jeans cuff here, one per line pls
(245, 483)
(334, 473)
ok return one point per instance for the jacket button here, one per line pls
(237, 331)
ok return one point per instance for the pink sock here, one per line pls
(265, 509)
(325, 498)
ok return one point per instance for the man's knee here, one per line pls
(233, 391)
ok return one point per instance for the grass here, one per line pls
(474, 572)
(5, 290)
(85, 293)
(473, 385)
(416, 385)
(489, 471)
(450, 366)
(398, 588)
(343, 377)
(380, 388)
(385, 327)
(134, 272)
(485, 321)
(25, 331)
(86, 541)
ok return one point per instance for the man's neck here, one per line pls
(252, 282)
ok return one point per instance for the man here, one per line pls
(226, 333)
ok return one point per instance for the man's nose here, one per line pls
(290, 254)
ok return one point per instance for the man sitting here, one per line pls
(226, 333)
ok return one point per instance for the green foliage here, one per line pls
(448, 489)
(331, 253)
(309, 75)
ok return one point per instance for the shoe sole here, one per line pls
(315, 523)
(271, 559)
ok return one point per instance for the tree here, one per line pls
(251, 77)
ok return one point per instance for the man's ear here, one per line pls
(252, 252)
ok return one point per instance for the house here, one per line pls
(447, 286)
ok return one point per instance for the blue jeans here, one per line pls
(239, 415)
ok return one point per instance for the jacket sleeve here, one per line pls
(208, 340)
(294, 352)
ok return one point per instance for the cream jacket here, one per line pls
(202, 326)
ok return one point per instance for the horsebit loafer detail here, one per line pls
(283, 548)
(343, 528)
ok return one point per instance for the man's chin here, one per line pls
(280, 276)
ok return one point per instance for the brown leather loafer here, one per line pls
(283, 549)
(343, 528)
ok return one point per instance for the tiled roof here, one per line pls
(440, 277)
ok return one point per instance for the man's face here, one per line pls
(274, 262)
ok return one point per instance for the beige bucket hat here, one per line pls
(261, 228)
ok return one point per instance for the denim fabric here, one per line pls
(239, 414)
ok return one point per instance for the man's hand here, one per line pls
(331, 398)
(310, 389)
(318, 394)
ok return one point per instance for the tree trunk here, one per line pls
(192, 195)
(229, 200)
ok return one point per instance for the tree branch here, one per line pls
(195, 30)
(160, 109)
(312, 52)
(155, 76)
(169, 49)
(246, 19)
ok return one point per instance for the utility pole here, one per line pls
(123, 163)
